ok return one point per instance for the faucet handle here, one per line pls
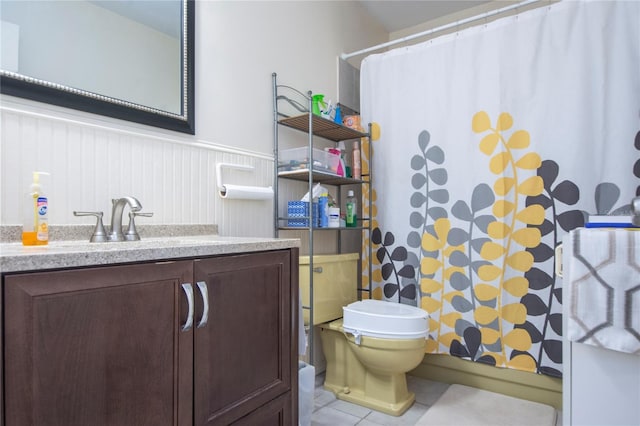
(99, 234)
(132, 233)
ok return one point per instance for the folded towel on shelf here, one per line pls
(603, 293)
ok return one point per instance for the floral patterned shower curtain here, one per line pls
(494, 143)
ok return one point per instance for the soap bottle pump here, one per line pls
(35, 229)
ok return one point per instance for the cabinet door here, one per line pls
(274, 413)
(98, 346)
(245, 355)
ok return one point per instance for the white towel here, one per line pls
(603, 294)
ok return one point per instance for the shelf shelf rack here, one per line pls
(314, 125)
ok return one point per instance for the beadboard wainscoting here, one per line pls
(94, 159)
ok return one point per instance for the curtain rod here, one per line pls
(441, 28)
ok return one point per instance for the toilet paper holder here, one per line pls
(219, 167)
(239, 191)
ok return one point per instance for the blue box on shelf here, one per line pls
(298, 214)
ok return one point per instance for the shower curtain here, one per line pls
(495, 142)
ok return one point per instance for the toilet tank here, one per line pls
(335, 284)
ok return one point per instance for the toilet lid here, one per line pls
(387, 320)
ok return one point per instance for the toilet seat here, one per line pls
(386, 320)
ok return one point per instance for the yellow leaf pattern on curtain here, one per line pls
(505, 253)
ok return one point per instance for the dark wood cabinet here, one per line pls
(113, 345)
(274, 413)
(93, 346)
(244, 355)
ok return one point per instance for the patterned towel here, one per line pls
(603, 294)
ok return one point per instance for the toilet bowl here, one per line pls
(369, 351)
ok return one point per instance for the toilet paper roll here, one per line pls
(240, 192)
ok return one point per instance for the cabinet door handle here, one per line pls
(188, 291)
(204, 291)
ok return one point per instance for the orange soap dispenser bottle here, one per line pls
(35, 228)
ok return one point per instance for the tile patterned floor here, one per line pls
(333, 412)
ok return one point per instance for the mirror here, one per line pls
(128, 59)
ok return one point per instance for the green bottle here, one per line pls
(352, 210)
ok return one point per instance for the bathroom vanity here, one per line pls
(176, 331)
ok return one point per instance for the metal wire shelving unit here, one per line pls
(315, 126)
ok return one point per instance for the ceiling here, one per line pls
(397, 15)
(394, 15)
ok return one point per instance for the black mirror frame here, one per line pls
(51, 93)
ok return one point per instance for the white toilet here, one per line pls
(369, 351)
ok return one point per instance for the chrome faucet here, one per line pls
(116, 234)
(119, 204)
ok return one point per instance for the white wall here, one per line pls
(238, 45)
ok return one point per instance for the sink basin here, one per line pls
(70, 246)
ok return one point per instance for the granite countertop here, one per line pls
(14, 257)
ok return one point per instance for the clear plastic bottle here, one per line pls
(352, 210)
(35, 229)
(343, 160)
